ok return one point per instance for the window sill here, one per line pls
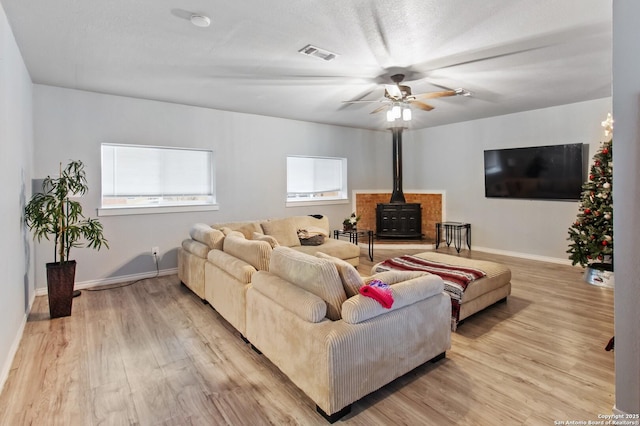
(126, 211)
(315, 203)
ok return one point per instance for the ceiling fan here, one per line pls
(398, 99)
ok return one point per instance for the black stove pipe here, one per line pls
(397, 196)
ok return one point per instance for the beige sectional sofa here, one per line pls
(300, 306)
(306, 315)
(194, 251)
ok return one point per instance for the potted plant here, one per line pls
(54, 213)
(351, 223)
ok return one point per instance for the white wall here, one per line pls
(250, 155)
(450, 158)
(626, 202)
(16, 142)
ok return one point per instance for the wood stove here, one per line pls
(398, 219)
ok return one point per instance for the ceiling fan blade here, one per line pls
(432, 95)
(380, 108)
(515, 47)
(421, 105)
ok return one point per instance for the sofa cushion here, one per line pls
(351, 279)
(255, 253)
(315, 275)
(304, 304)
(338, 248)
(207, 235)
(283, 230)
(247, 228)
(360, 308)
(268, 238)
(237, 268)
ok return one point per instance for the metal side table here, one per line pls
(453, 233)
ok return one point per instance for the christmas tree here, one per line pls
(591, 235)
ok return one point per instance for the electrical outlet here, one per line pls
(155, 251)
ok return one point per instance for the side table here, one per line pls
(453, 232)
(354, 234)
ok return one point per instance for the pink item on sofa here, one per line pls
(379, 291)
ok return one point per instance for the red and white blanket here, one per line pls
(456, 278)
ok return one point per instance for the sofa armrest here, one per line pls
(394, 276)
(360, 308)
(303, 304)
(196, 248)
(237, 268)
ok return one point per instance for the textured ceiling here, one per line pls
(512, 55)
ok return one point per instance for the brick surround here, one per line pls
(431, 210)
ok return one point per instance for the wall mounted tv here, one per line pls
(554, 172)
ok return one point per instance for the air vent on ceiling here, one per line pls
(310, 50)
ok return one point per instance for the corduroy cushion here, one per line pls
(207, 235)
(255, 253)
(351, 279)
(304, 304)
(247, 228)
(315, 275)
(283, 230)
(268, 238)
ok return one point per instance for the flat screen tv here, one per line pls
(554, 172)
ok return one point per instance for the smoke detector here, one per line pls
(200, 20)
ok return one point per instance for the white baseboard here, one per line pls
(6, 368)
(529, 256)
(430, 246)
(623, 414)
(114, 280)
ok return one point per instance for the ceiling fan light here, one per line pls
(390, 116)
(406, 114)
(396, 111)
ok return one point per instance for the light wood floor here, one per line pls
(154, 354)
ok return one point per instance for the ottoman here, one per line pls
(479, 293)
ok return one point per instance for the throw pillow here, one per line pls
(283, 230)
(351, 279)
(268, 238)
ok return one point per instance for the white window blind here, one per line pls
(144, 176)
(316, 178)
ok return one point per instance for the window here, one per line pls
(312, 179)
(135, 176)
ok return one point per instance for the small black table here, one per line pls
(354, 234)
(453, 232)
